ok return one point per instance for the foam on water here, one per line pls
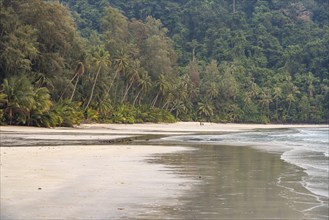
(307, 148)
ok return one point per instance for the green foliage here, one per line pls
(22, 103)
(66, 113)
(92, 115)
(161, 61)
(127, 114)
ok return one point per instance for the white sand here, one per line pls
(150, 128)
(84, 182)
(93, 182)
(187, 127)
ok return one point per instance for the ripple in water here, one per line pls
(307, 148)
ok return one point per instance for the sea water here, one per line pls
(306, 148)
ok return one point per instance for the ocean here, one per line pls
(305, 148)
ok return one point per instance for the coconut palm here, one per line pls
(40, 108)
(277, 94)
(205, 109)
(133, 77)
(20, 98)
(41, 80)
(213, 90)
(78, 73)
(162, 85)
(265, 100)
(145, 83)
(121, 64)
(101, 59)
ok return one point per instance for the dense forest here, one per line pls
(133, 61)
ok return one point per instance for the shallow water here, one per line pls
(296, 174)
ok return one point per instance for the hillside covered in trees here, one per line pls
(133, 61)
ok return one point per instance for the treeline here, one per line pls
(161, 61)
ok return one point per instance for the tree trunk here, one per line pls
(114, 78)
(10, 116)
(75, 87)
(93, 88)
(155, 99)
(126, 92)
(68, 86)
(138, 94)
(288, 109)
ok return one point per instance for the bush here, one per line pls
(66, 114)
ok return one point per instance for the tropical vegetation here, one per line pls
(133, 61)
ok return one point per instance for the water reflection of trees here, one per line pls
(236, 182)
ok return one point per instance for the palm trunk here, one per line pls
(288, 109)
(93, 88)
(10, 116)
(68, 86)
(126, 92)
(138, 94)
(115, 76)
(155, 99)
(75, 87)
(276, 109)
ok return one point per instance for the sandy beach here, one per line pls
(81, 173)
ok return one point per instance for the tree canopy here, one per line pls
(128, 61)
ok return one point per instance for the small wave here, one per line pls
(305, 148)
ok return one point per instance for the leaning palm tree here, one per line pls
(121, 64)
(101, 59)
(162, 85)
(265, 100)
(277, 94)
(144, 83)
(78, 73)
(133, 77)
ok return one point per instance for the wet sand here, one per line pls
(146, 181)
(240, 183)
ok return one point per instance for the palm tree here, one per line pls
(20, 98)
(254, 90)
(78, 72)
(41, 106)
(212, 91)
(162, 86)
(309, 80)
(144, 83)
(290, 98)
(265, 100)
(121, 64)
(180, 108)
(277, 95)
(205, 109)
(133, 78)
(101, 58)
(41, 80)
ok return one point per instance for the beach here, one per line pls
(101, 171)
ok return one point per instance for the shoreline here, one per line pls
(117, 180)
(160, 127)
(112, 133)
